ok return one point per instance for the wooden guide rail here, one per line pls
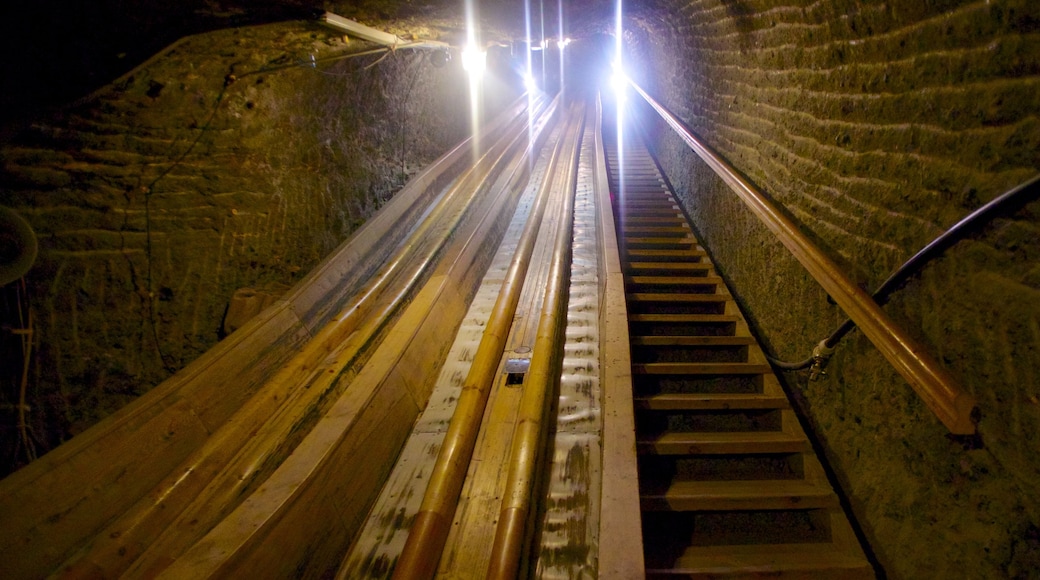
(224, 469)
(430, 529)
(950, 403)
(73, 503)
(529, 436)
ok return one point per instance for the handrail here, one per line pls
(429, 531)
(529, 434)
(950, 403)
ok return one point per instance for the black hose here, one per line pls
(1017, 196)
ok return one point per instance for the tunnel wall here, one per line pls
(876, 126)
(229, 160)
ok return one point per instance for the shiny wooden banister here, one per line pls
(951, 404)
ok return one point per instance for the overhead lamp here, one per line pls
(529, 83)
(474, 60)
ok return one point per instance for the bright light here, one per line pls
(474, 60)
(529, 83)
(619, 81)
(565, 42)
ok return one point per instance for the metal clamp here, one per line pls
(820, 355)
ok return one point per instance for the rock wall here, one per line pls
(232, 159)
(876, 126)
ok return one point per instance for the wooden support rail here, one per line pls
(429, 531)
(950, 403)
(243, 453)
(529, 435)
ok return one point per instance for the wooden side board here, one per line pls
(55, 504)
(620, 543)
(301, 521)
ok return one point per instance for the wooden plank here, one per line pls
(621, 545)
(678, 267)
(700, 369)
(654, 253)
(737, 495)
(694, 341)
(649, 299)
(718, 318)
(711, 401)
(823, 561)
(675, 280)
(712, 443)
(678, 231)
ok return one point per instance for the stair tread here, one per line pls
(676, 297)
(696, 368)
(709, 442)
(711, 401)
(684, 317)
(692, 340)
(669, 266)
(826, 559)
(762, 494)
(664, 253)
(691, 280)
(659, 240)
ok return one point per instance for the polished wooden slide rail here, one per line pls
(72, 505)
(729, 485)
(430, 529)
(937, 388)
(527, 457)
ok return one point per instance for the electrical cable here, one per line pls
(1014, 197)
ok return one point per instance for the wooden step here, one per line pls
(760, 494)
(640, 268)
(668, 243)
(823, 561)
(710, 401)
(671, 318)
(689, 443)
(636, 298)
(691, 340)
(659, 231)
(662, 212)
(694, 368)
(675, 280)
(635, 254)
(652, 220)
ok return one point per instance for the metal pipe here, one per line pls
(1022, 193)
(950, 403)
(429, 530)
(530, 431)
(373, 35)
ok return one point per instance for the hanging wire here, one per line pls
(1014, 197)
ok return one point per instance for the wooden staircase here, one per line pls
(729, 484)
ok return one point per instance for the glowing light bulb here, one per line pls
(474, 60)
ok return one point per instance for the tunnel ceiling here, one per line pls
(56, 52)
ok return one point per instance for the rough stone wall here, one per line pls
(230, 160)
(877, 125)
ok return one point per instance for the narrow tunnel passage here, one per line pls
(872, 127)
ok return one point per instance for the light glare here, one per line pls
(529, 83)
(618, 81)
(474, 60)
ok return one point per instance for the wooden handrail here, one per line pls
(950, 403)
